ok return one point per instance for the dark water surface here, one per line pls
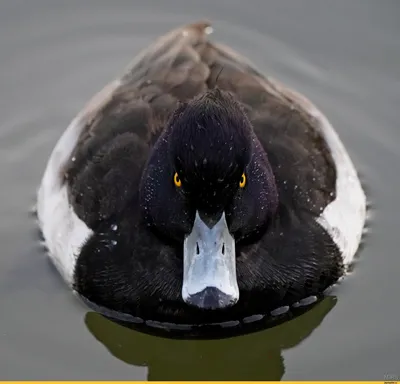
(54, 55)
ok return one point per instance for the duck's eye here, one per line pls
(177, 180)
(242, 181)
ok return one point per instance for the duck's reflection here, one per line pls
(256, 356)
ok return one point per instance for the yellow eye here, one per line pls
(242, 181)
(177, 180)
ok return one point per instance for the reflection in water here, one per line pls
(257, 356)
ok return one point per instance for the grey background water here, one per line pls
(54, 55)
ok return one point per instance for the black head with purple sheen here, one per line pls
(208, 185)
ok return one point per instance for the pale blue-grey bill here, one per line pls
(209, 260)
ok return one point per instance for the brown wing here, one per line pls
(170, 70)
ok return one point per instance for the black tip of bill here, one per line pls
(211, 298)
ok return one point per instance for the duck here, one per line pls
(194, 190)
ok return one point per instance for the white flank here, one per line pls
(344, 218)
(63, 231)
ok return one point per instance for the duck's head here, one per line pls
(208, 186)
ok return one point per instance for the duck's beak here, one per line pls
(209, 265)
